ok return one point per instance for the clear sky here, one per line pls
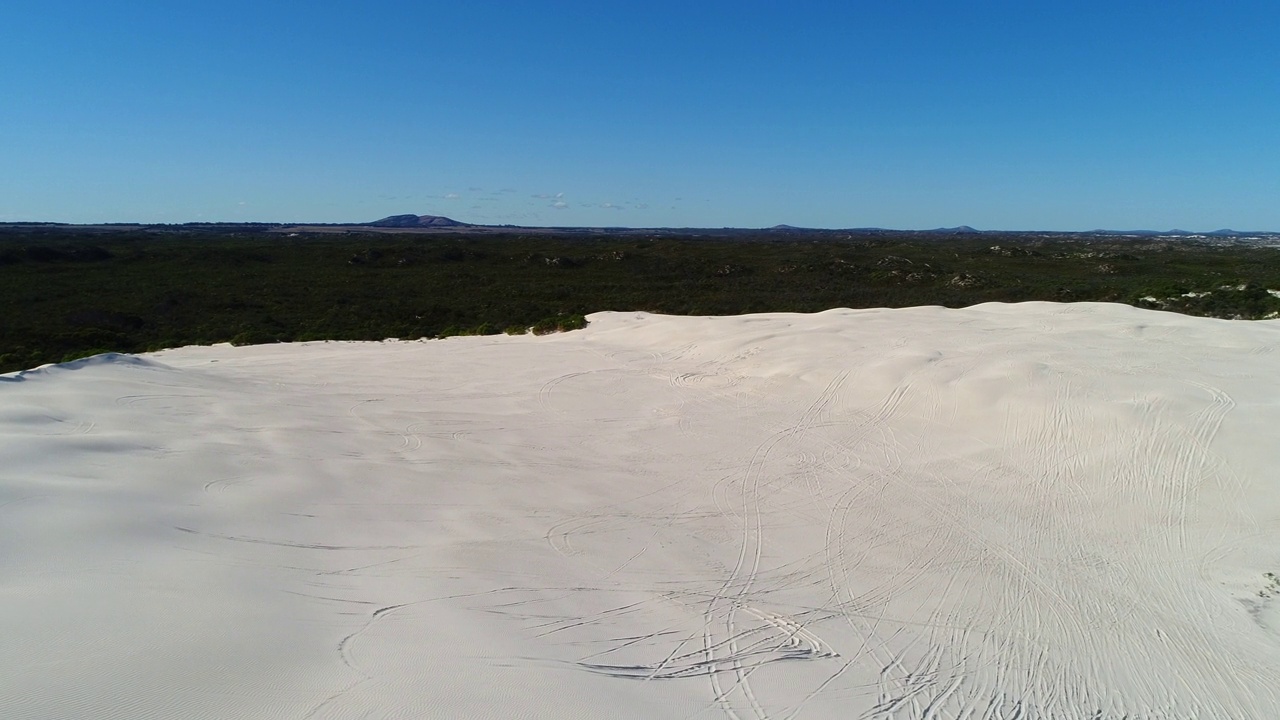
(905, 114)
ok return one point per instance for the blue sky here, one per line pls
(999, 115)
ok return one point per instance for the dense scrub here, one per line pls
(66, 293)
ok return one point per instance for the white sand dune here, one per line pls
(1009, 511)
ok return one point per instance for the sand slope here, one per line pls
(1028, 511)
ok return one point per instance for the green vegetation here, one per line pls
(66, 293)
(1271, 588)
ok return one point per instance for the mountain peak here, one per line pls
(413, 221)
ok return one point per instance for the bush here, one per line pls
(80, 354)
(253, 337)
(559, 323)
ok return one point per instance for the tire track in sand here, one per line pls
(750, 551)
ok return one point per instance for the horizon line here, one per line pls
(458, 225)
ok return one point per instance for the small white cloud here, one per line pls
(559, 195)
(559, 204)
(452, 196)
(610, 206)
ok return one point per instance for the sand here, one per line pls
(1007, 511)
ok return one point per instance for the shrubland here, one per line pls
(66, 293)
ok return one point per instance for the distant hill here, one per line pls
(417, 221)
(1222, 233)
(438, 224)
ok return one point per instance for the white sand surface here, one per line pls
(1008, 511)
